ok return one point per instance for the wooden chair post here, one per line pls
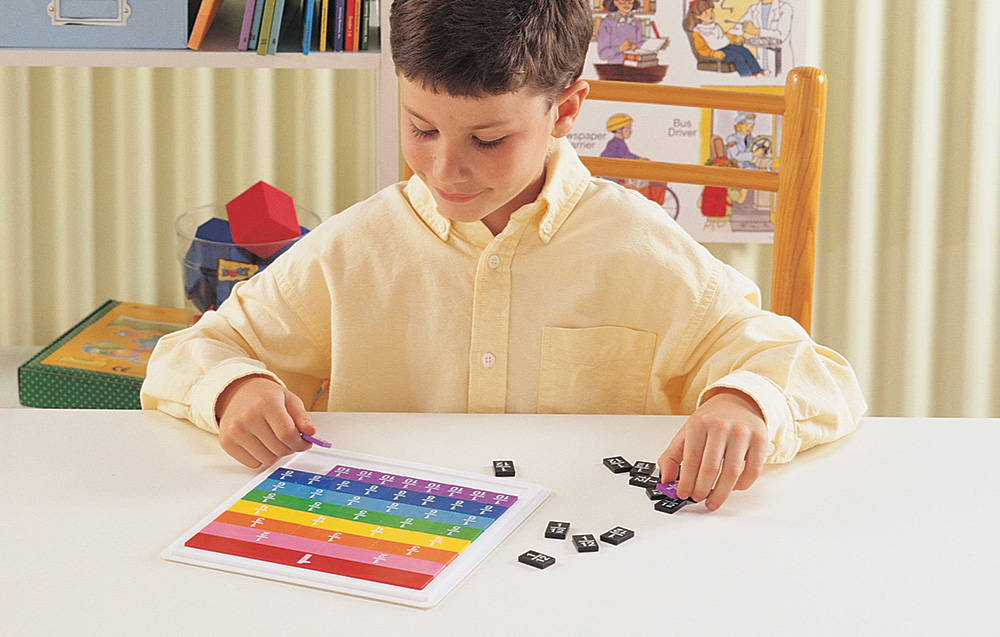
(801, 160)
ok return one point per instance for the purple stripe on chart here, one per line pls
(316, 547)
(423, 486)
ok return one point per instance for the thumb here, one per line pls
(300, 417)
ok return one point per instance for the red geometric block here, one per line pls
(262, 214)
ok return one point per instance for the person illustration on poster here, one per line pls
(739, 145)
(716, 202)
(620, 31)
(768, 27)
(712, 42)
(620, 127)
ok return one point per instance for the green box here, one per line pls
(100, 362)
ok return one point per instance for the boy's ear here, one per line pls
(568, 107)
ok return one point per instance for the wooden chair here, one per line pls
(803, 108)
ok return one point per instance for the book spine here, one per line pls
(339, 17)
(279, 12)
(308, 9)
(265, 27)
(206, 13)
(324, 19)
(350, 21)
(248, 10)
(258, 14)
(363, 24)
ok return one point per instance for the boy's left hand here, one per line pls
(721, 447)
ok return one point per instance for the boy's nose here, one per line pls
(449, 165)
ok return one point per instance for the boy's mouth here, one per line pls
(456, 198)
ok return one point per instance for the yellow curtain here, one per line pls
(95, 164)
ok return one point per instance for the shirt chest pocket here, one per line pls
(595, 370)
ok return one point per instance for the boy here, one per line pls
(503, 278)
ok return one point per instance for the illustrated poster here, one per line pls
(744, 44)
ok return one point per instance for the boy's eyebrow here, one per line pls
(483, 126)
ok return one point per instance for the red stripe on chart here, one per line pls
(298, 559)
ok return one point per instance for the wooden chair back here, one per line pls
(800, 156)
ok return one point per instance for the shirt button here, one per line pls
(547, 227)
(488, 359)
(493, 261)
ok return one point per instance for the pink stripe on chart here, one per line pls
(363, 556)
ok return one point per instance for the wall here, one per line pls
(95, 164)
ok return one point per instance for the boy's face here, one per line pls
(482, 158)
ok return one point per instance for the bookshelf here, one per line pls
(219, 51)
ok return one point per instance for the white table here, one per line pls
(10, 359)
(889, 532)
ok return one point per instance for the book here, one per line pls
(350, 22)
(276, 22)
(100, 362)
(324, 18)
(258, 14)
(652, 45)
(339, 17)
(244, 41)
(640, 62)
(363, 24)
(206, 13)
(308, 9)
(265, 27)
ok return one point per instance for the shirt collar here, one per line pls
(566, 178)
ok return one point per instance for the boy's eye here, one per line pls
(420, 133)
(493, 143)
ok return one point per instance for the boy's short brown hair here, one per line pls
(476, 48)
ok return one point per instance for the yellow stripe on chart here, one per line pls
(350, 526)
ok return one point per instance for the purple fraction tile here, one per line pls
(669, 489)
(316, 441)
(536, 559)
(617, 464)
(617, 535)
(586, 543)
(557, 530)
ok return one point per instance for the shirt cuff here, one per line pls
(782, 442)
(207, 391)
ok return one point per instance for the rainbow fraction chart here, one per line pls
(368, 526)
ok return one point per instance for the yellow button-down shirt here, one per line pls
(591, 300)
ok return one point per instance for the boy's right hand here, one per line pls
(261, 421)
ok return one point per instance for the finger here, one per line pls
(754, 464)
(246, 449)
(280, 435)
(711, 463)
(301, 423)
(694, 447)
(241, 455)
(669, 462)
(732, 468)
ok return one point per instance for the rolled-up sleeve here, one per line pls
(808, 393)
